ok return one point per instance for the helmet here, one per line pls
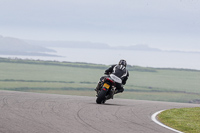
(122, 62)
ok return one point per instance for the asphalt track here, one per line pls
(22, 112)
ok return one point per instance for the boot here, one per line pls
(117, 91)
(98, 86)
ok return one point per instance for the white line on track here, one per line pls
(153, 118)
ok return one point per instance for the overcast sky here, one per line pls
(165, 24)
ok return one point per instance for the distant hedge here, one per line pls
(84, 65)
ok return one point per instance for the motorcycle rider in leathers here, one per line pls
(117, 72)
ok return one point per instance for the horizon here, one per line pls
(61, 43)
(144, 57)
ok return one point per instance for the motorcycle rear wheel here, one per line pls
(101, 97)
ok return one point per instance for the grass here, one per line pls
(17, 71)
(169, 80)
(175, 85)
(186, 120)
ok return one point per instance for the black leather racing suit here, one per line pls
(121, 72)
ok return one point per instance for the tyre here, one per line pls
(101, 97)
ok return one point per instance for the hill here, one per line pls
(14, 46)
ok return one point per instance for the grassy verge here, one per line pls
(186, 120)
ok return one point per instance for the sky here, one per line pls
(164, 24)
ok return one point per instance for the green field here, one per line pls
(175, 85)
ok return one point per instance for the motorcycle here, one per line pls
(106, 91)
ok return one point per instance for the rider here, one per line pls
(119, 73)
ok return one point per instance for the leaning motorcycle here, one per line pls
(106, 90)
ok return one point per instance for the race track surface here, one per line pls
(22, 112)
